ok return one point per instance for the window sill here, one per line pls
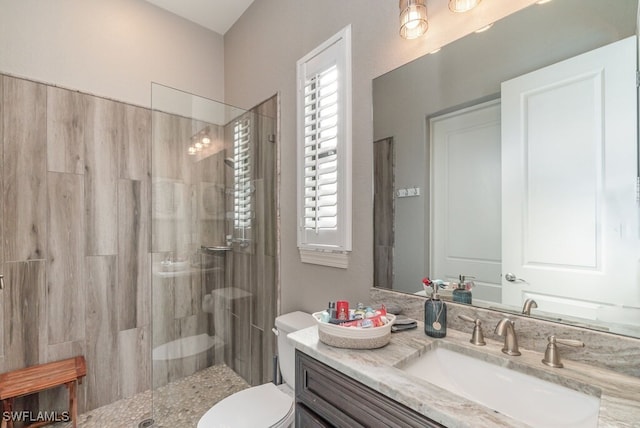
(337, 259)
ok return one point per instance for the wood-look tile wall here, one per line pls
(264, 288)
(2, 266)
(252, 269)
(79, 243)
(75, 180)
(383, 211)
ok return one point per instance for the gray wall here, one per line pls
(261, 51)
(113, 48)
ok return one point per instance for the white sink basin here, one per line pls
(522, 397)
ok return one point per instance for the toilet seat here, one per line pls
(259, 406)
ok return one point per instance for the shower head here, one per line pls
(229, 162)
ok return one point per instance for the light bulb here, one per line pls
(413, 19)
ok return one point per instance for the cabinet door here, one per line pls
(344, 402)
(569, 214)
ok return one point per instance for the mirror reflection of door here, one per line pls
(569, 169)
(465, 197)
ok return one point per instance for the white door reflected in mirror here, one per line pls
(568, 172)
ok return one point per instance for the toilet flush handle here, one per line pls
(275, 331)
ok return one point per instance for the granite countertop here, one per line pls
(619, 394)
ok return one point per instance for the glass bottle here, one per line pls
(462, 294)
(435, 316)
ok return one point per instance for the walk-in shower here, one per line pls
(213, 229)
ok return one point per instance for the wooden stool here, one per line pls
(30, 380)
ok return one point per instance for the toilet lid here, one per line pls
(259, 406)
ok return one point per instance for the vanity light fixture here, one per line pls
(413, 18)
(460, 6)
(201, 140)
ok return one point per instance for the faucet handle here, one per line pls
(552, 356)
(466, 318)
(477, 337)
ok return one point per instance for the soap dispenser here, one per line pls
(462, 294)
(435, 315)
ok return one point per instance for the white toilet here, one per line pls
(265, 405)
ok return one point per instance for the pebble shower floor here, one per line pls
(179, 404)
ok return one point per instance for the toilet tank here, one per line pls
(285, 324)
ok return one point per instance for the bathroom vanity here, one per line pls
(325, 397)
(345, 387)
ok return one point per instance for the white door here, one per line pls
(570, 219)
(465, 197)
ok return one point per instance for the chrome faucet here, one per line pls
(528, 305)
(552, 356)
(505, 328)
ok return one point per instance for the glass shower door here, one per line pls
(210, 329)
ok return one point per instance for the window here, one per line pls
(324, 152)
(242, 186)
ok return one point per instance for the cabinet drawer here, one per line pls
(344, 402)
(307, 419)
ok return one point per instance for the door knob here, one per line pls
(512, 278)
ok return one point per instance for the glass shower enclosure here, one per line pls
(214, 251)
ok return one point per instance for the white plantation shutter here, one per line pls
(242, 186)
(324, 151)
(321, 151)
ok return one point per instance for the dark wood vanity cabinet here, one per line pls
(328, 398)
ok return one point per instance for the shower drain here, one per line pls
(146, 423)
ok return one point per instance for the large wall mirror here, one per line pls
(511, 156)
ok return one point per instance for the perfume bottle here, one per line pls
(435, 315)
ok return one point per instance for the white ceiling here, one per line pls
(216, 15)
